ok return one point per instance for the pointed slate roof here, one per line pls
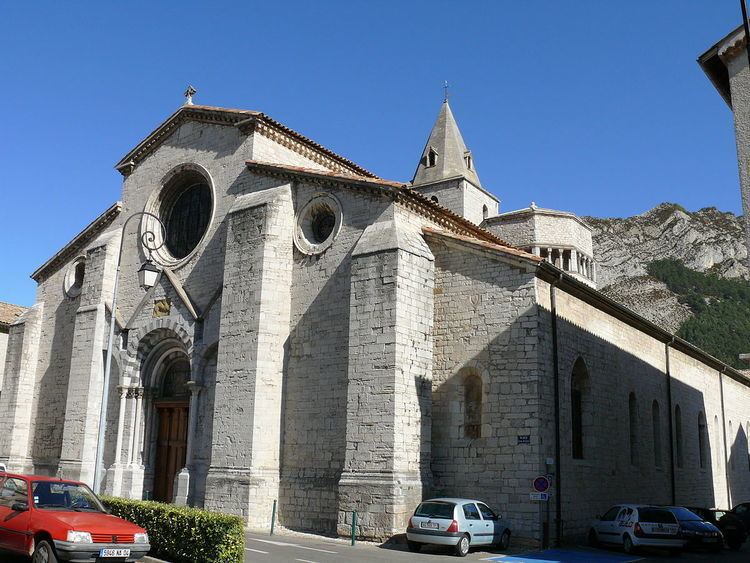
(450, 153)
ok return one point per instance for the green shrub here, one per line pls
(182, 534)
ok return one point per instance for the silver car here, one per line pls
(633, 526)
(456, 522)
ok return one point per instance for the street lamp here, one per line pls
(147, 275)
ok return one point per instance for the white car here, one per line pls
(633, 525)
(456, 522)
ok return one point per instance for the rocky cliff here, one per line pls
(705, 240)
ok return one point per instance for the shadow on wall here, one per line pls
(738, 471)
(52, 390)
(615, 429)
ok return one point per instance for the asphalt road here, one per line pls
(302, 548)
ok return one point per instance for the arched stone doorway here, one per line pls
(171, 405)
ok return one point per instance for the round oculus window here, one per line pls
(186, 216)
(318, 224)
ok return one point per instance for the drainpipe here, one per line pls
(671, 429)
(724, 434)
(556, 369)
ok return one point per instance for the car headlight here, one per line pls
(141, 538)
(79, 537)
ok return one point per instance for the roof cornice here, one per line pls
(536, 211)
(246, 121)
(713, 61)
(78, 242)
(400, 192)
(582, 291)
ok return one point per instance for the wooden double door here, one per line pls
(171, 447)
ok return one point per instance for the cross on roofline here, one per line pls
(189, 93)
(445, 99)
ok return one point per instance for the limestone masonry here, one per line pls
(338, 342)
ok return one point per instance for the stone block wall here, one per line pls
(620, 360)
(486, 325)
(314, 416)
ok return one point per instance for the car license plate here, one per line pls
(430, 525)
(710, 540)
(114, 553)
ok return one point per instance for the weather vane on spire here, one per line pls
(189, 93)
(445, 87)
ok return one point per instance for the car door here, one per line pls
(475, 524)
(14, 524)
(491, 522)
(606, 528)
(742, 511)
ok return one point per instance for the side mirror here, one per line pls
(19, 507)
(498, 517)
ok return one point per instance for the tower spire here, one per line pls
(445, 155)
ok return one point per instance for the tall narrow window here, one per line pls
(717, 441)
(578, 385)
(468, 161)
(432, 157)
(473, 406)
(702, 435)
(633, 420)
(485, 212)
(656, 431)
(730, 446)
(678, 434)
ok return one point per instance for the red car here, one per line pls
(55, 520)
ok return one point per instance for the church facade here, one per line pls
(336, 342)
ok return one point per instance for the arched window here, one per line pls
(678, 434)
(633, 426)
(578, 385)
(176, 377)
(702, 439)
(432, 157)
(717, 441)
(485, 212)
(656, 431)
(79, 274)
(472, 406)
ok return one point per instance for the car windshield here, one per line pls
(685, 515)
(435, 510)
(59, 495)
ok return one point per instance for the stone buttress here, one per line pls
(255, 317)
(82, 408)
(387, 464)
(15, 401)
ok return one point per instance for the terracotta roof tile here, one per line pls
(9, 312)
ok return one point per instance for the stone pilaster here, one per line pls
(18, 391)
(255, 315)
(80, 433)
(386, 469)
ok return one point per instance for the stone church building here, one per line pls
(337, 342)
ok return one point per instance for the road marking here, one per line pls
(284, 544)
(305, 560)
(256, 551)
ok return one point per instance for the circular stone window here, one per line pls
(185, 206)
(73, 282)
(318, 223)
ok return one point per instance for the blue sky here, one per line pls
(597, 107)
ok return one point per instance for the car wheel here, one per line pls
(462, 547)
(735, 544)
(413, 546)
(627, 545)
(593, 540)
(504, 542)
(44, 553)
